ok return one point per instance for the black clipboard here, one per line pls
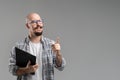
(23, 57)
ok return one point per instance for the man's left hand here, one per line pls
(56, 47)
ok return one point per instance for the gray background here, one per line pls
(89, 32)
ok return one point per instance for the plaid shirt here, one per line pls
(48, 59)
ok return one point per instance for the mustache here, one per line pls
(38, 27)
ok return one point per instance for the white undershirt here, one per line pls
(36, 49)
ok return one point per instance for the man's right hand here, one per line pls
(31, 68)
(28, 69)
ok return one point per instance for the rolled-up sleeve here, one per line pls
(12, 62)
(62, 65)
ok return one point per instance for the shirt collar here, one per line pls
(27, 39)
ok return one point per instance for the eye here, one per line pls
(39, 21)
(33, 21)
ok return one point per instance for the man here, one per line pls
(47, 53)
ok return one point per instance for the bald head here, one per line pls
(33, 16)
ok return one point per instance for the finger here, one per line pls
(28, 64)
(57, 40)
(36, 66)
(52, 42)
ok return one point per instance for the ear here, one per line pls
(27, 25)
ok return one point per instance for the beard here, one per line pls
(38, 33)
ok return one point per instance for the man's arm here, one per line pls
(28, 69)
(59, 60)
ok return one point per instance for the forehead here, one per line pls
(34, 17)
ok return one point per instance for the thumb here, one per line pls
(57, 40)
(28, 64)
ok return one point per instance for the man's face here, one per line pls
(35, 25)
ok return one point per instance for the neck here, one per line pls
(35, 39)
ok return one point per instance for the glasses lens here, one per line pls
(36, 21)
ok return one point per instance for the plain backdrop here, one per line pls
(89, 32)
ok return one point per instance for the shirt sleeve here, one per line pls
(12, 62)
(62, 65)
(60, 68)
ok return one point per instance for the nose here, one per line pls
(40, 25)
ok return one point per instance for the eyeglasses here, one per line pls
(36, 21)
